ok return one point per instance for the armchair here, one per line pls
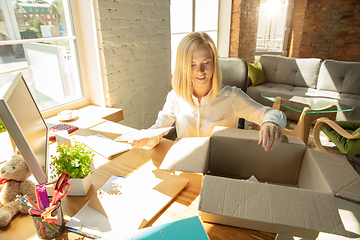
(344, 134)
(234, 72)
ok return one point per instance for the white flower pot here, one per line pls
(79, 187)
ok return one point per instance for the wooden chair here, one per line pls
(344, 134)
(302, 129)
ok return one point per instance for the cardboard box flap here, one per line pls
(236, 153)
(350, 192)
(235, 133)
(189, 155)
(289, 211)
(330, 172)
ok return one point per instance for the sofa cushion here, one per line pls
(352, 100)
(256, 73)
(346, 146)
(339, 76)
(301, 72)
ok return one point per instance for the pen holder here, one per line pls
(54, 227)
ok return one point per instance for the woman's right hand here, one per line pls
(139, 143)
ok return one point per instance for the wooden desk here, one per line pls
(184, 205)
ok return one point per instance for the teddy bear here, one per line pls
(14, 181)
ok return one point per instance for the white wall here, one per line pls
(136, 53)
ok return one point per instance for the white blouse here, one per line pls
(225, 110)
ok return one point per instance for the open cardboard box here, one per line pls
(295, 195)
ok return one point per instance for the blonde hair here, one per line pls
(182, 77)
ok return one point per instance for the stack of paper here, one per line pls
(144, 133)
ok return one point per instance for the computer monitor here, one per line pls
(25, 124)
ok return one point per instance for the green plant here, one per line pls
(2, 128)
(75, 160)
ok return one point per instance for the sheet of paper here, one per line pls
(145, 133)
(146, 191)
(104, 146)
(87, 216)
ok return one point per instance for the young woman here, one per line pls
(199, 102)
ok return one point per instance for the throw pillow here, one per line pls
(256, 73)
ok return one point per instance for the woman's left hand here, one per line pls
(270, 135)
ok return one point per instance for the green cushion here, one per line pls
(346, 146)
(256, 73)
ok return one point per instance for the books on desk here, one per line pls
(127, 204)
(104, 146)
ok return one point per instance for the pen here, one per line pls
(47, 212)
(33, 211)
(74, 230)
(50, 226)
(31, 202)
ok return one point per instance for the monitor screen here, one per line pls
(25, 124)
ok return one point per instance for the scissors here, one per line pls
(59, 190)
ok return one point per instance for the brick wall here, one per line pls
(235, 29)
(297, 25)
(245, 15)
(326, 29)
(136, 50)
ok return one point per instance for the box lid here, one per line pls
(267, 207)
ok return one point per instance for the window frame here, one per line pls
(223, 27)
(90, 68)
(285, 49)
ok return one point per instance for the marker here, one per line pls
(43, 196)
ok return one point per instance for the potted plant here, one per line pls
(2, 127)
(77, 161)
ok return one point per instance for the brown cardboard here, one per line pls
(189, 161)
(298, 199)
(330, 173)
(269, 207)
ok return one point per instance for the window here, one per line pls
(274, 26)
(47, 56)
(192, 15)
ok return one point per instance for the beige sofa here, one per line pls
(333, 81)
